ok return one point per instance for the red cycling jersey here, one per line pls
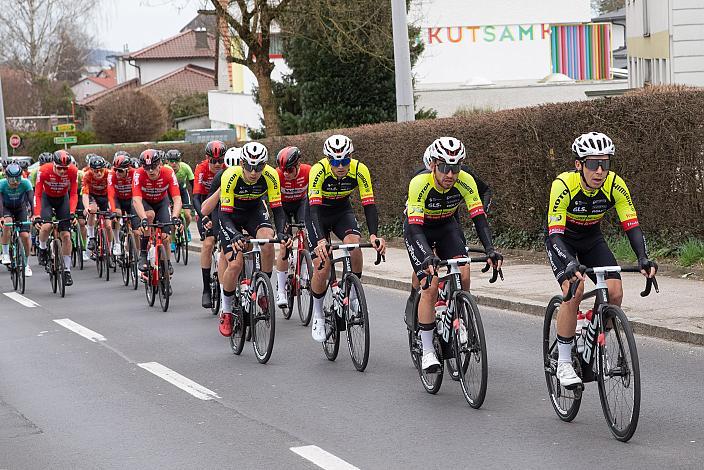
(203, 178)
(119, 187)
(95, 185)
(54, 185)
(155, 190)
(294, 190)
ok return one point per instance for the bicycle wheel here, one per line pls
(107, 254)
(13, 265)
(304, 296)
(215, 293)
(52, 268)
(287, 311)
(73, 248)
(20, 261)
(60, 268)
(470, 356)
(184, 246)
(239, 332)
(164, 286)
(177, 243)
(149, 289)
(132, 258)
(99, 257)
(619, 375)
(565, 402)
(357, 317)
(124, 259)
(263, 318)
(331, 345)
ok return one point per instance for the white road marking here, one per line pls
(19, 298)
(322, 458)
(80, 330)
(174, 378)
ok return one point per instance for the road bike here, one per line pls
(459, 334)
(300, 273)
(180, 237)
(345, 308)
(253, 306)
(18, 257)
(55, 266)
(604, 350)
(156, 278)
(214, 280)
(103, 252)
(127, 260)
(78, 246)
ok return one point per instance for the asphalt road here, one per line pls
(70, 402)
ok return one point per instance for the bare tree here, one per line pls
(33, 30)
(251, 21)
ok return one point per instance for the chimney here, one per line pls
(202, 39)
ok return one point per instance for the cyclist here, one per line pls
(578, 201)
(56, 194)
(44, 158)
(205, 172)
(94, 194)
(151, 185)
(15, 194)
(293, 176)
(331, 182)
(185, 177)
(242, 207)
(120, 194)
(433, 232)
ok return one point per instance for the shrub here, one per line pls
(129, 116)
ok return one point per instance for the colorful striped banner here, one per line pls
(582, 52)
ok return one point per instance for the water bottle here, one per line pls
(580, 331)
(440, 311)
(151, 254)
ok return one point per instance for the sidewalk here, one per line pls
(676, 313)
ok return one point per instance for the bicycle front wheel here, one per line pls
(564, 401)
(357, 317)
(619, 374)
(60, 268)
(184, 246)
(331, 345)
(132, 256)
(470, 349)
(164, 286)
(20, 263)
(304, 296)
(14, 272)
(263, 318)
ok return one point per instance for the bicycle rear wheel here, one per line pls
(357, 317)
(177, 243)
(149, 289)
(619, 375)
(132, 257)
(164, 286)
(60, 267)
(304, 296)
(215, 293)
(263, 318)
(331, 345)
(107, 255)
(80, 249)
(470, 356)
(20, 262)
(99, 254)
(565, 402)
(184, 246)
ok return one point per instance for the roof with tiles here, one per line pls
(183, 45)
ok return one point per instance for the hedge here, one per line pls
(658, 133)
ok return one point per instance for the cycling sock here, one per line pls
(206, 278)
(67, 263)
(6, 249)
(91, 231)
(359, 275)
(426, 336)
(564, 348)
(318, 305)
(227, 301)
(42, 244)
(268, 274)
(281, 281)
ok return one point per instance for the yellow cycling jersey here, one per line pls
(430, 204)
(574, 211)
(324, 188)
(238, 195)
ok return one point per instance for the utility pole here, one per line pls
(3, 133)
(402, 60)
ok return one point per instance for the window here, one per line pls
(646, 20)
(276, 46)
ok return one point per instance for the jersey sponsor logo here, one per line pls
(629, 224)
(559, 199)
(624, 192)
(555, 218)
(421, 194)
(579, 209)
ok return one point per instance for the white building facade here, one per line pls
(665, 42)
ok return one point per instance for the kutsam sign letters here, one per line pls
(487, 34)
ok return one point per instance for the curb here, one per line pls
(639, 328)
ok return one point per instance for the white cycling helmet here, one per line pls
(232, 156)
(593, 143)
(254, 153)
(428, 157)
(448, 150)
(338, 147)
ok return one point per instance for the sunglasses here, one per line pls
(174, 160)
(343, 162)
(446, 168)
(151, 167)
(61, 168)
(122, 170)
(593, 165)
(13, 180)
(257, 168)
(291, 170)
(215, 161)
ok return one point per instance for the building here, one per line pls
(617, 18)
(91, 85)
(665, 42)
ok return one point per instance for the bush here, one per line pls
(34, 143)
(129, 116)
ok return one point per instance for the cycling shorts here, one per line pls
(58, 207)
(446, 240)
(162, 212)
(590, 251)
(100, 201)
(296, 211)
(341, 222)
(245, 221)
(19, 214)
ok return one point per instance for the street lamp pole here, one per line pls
(402, 60)
(3, 133)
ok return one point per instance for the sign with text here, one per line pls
(72, 139)
(65, 128)
(15, 141)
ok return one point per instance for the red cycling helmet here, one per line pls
(62, 158)
(121, 162)
(288, 157)
(215, 150)
(150, 157)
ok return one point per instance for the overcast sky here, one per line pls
(140, 23)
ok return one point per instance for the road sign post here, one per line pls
(64, 128)
(66, 139)
(71, 139)
(15, 142)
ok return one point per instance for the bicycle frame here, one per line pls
(155, 242)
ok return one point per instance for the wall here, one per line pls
(233, 109)
(649, 54)
(688, 42)
(153, 69)
(86, 88)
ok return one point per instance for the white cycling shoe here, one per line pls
(430, 362)
(318, 330)
(86, 256)
(5, 258)
(567, 376)
(27, 271)
(117, 249)
(281, 299)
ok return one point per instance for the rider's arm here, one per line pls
(197, 201)
(315, 198)
(629, 218)
(271, 177)
(38, 189)
(85, 191)
(366, 194)
(111, 193)
(557, 218)
(415, 207)
(137, 195)
(73, 188)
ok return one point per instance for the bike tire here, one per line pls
(431, 381)
(357, 323)
(150, 290)
(565, 402)
(20, 263)
(263, 318)
(124, 259)
(239, 332)
(60, 268)
(287, 311)
(184, 247)
(73, 249)
(331, 345)
(621, 330)
(99, 258)
(214, 293)
(304, 295)
(14, 273)
(107, 254)
(177, 251)
(133, 256)
(164, 286)
(473, 381)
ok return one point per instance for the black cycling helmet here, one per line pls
(150, 157)
(62, 158)
(288, 157)
(97, 162)
(173, 155)
(134, 161)
(121, 162)
(24, 164)
(215, 150)
(13, 170)
(45, 157)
